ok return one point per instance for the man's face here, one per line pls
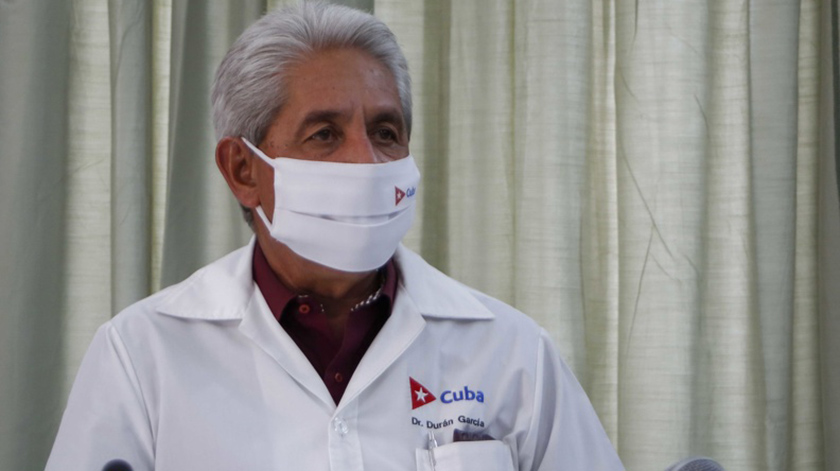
(343, 106)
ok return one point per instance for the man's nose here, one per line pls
(359, 149)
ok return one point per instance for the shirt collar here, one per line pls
(223, 290)
(277, 295)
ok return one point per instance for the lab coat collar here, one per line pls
(222, 290)
(219, 291)
(435, 294)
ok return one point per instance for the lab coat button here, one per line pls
(340, 426)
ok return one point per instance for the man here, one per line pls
(324, 344)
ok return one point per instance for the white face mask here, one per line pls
(346, 216)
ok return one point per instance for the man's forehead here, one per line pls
(328, 68)
(335, 83)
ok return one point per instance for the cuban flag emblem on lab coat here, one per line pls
(420, 395)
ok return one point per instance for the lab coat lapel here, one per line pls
(403, 326)
(259, 325)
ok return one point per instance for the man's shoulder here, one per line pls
(215, 291)
(444, 298)
(505, 312)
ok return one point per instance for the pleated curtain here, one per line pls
(655, 182)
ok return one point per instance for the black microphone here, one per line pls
(117, 465)
(697, 463)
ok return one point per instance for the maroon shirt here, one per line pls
(335, 359)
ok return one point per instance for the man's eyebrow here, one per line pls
(392, 116)
(389, 116)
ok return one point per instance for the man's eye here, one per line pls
(386, 134)
(323, 135)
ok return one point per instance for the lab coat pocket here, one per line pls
(489, 455)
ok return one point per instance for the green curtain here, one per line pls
(34, 160)
(654, 182)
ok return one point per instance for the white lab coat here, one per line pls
(201, 377)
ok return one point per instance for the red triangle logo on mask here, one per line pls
(399, 196)
(420, 396)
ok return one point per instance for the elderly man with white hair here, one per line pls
(324, 344)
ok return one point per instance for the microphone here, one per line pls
(117, 465)
(696, 463)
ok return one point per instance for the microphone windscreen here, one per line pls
(697, 463)
(117, 465)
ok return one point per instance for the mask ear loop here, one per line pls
(260, 154)
(264, 218)
(256, 150)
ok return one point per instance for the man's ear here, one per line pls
(238, 166)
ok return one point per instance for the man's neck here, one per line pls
(338, 291)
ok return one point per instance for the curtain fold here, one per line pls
(807, 407)
(479, 144)
(654, 182)
(202, 220)
(130, 47)
(423, 31)
(551, 88)
(773, 62)
(34, 125)
(599, 224)
(689, 341)
(828, 230)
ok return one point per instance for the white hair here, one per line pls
(250, 89)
